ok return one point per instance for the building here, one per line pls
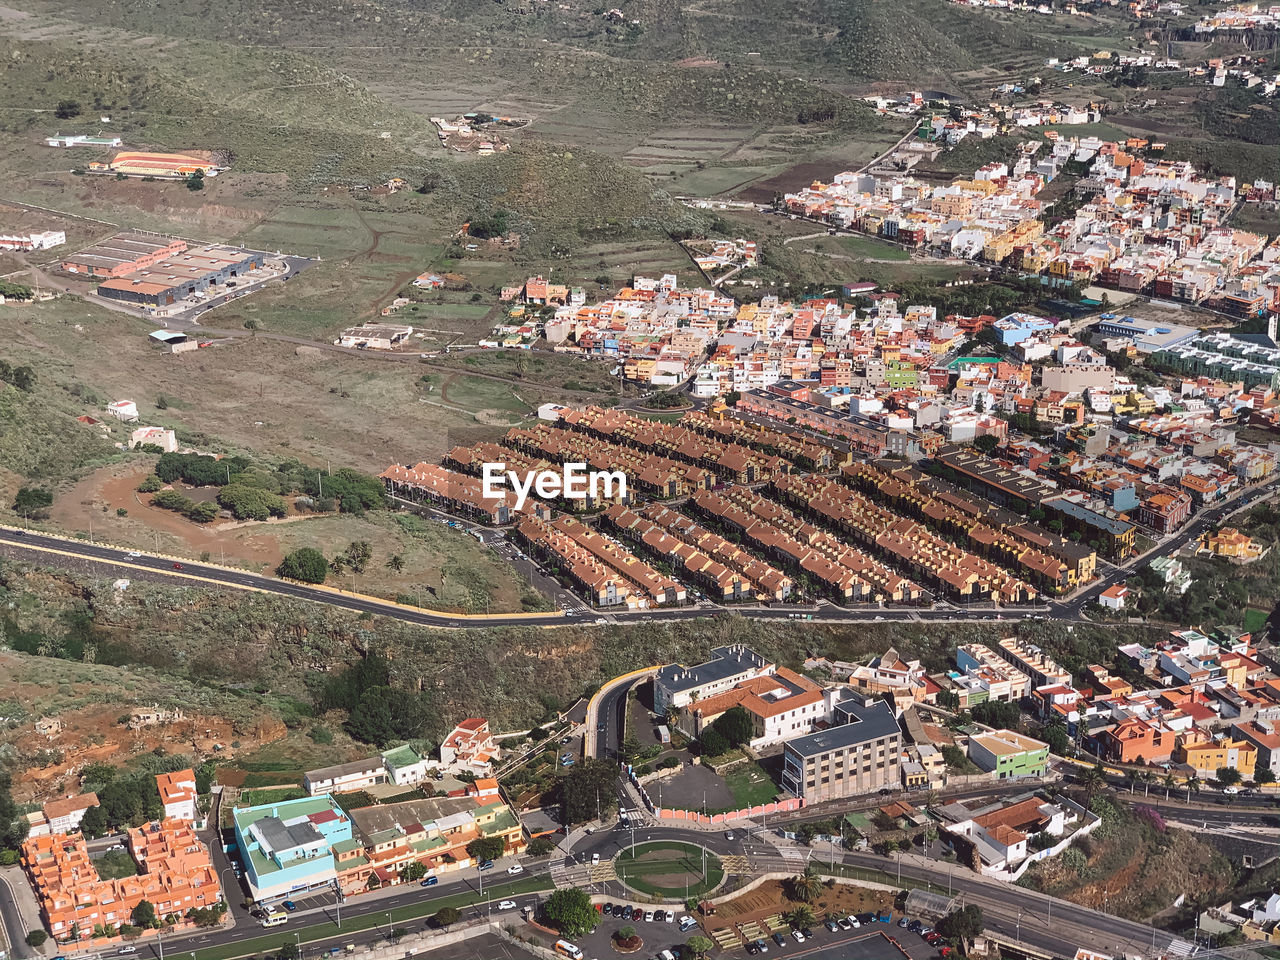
(1205, 756)
(470, 747)
(1265, 741)
(1230, 544)
(860, 754)
(288, 847)
(125, 410)
(889, 674)
(64, 815)
(1113, 598)
(405, 768)
(782, 704)
(175, 875)
(189, 275)
(81, 140)
(160, 437)
(374, 336)
(160, 165)
(1007, 754)
(997, 677)
(178, 795)
(677, 686)
(345, 777)
(123, 254)
(43, 240)
(1147, 336)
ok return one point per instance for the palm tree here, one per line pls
(806, 886)
(1169, 783)
(1132, 777)
(801, 917)
(1093, 781)
(395, 562)
(1193, 786)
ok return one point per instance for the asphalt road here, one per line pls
(14, 931)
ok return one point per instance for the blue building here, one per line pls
(1016, 327)
(287, 847)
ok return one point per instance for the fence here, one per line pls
(720, 819)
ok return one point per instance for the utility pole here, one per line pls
(320, 481)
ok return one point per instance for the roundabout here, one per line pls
(670, 869)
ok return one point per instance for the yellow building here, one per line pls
(1207, 757)
(1231, 544)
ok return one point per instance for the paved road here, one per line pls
(14, 930)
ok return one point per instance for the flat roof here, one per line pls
(866, 723)
(725, 662)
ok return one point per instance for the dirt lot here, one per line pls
(91, 701)
(770, 898)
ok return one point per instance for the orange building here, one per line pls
(1138, 741)
(155, 165)
(175, 876)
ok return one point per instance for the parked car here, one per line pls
(687, 923)
(761, 946)
(670, 916)
(507, 905)
(832, 926)
(514, 869)
(628, 912)
(798, 936)
(289, 905)
(648, 916)
(779, 939)
(607, 910)
(844, 924)
(429, 882)
(659, 916)
(903, 921)
(752, 950)
(808, 934)
(487, 865)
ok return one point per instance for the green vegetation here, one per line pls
(750, 785)
(115, 864)
(254, 798)
(571, 911)
(306, 564)
(638, 871)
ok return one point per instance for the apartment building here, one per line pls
(678, 686)
(1205, 755)
(1265, 740)
(905, 681)
(288, 847)
(1008, 755)
(997, 678)
(470, 745)
(860, 754)
(1034, 662)
(458, 492)
(175, 875)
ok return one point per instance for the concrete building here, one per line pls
(165, 439)
(64, 815)
(288, 847)
(1265, 741)
(677, 686)
(860, 754)
(1008, 754)
(470, 747)
(178, 795)
(345, 777)
(404, 767)
(374, 336)
(781, 704)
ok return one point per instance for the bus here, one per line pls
(275, 918)
(567, 949)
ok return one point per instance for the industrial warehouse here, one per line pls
(157, 271)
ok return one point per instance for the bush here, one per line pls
(306, 564)
(32, 501)
(320, 735)
(150, 484)
(37, 939)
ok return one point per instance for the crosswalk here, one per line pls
(736, 863)
(603, 872)
(1179, 948)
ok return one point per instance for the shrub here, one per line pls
(36, 939)
(306, 564)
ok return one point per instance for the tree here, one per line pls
(540, 847)
(143, 915)
(358, 555)
(196, 180)
(67, 109)
(32, 501)
(986, 443)
(1093, 781)
(1227, 776)
(306, 564)
(587, 791)
(94, 822)
(1264, 775)
(384, 714)
(36, 939)
(699, 946)
(713, 742)
(571, 910)
(735, 725)
(446, 916)
(486, 848)
(626, 934)
(288, 951)
(395, 563)
(801, 917)
(413, 871)
(806, 886)
(964, 924)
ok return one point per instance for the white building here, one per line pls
(125, 410)
(165, 439)
(345, 777)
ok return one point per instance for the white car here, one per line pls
(687, 923)
(514, 869)
(133, 555)
(853, 921)
(729, 836)
(507, 905)
(797, 936)
(1231, 791)
(595, 858)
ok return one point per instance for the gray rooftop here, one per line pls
(866, 723)
(725, 662)
(278, 837)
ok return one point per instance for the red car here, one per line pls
(177, 566)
